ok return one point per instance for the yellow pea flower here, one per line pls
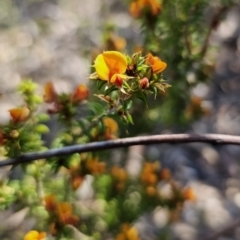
(35, 235)
(156, 63)
(111, 65)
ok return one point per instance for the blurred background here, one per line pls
(57, 40)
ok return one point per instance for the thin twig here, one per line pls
(214, 23)
(187, 40)
(124, 142)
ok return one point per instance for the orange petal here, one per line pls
(156, 63)
(189, 194)
(19, 114)
(50, 202)
(64, 207)
(134, 9)
(115, 61)
(110, 125)
(109, 63)
(50, 94)
(81, 93)
(159, 65)
(150, 59)
(155, 6)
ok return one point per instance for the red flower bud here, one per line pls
(144, 83)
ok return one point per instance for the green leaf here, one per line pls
(83, 123)
(155, 91)
(142, 97)
(110, 89)
(100, 84)
(129, 118)
(96, 108)
(128, 105)
(125, 84)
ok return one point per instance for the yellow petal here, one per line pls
(35, 235)
(101, 68)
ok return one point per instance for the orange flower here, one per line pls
(149, 173)
(35, 235)
(109, 65)
(156, 63)
(138, 6)
(95, 167)
(50, 94)
(165, 174)
(77, 181)
(119, 173)
(111, 127)
(81, 93)
(189, 194)
(151, 191)
(19, 114)
(114, 42)
(127, 233)
(50, 202)
(64, 212)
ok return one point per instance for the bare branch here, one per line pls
(124, 142)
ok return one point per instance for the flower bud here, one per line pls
(144, 83)
(14, 134)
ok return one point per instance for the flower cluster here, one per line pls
(63, 102)
(61, 213)
(86, 166)
(114, 67)
(18, 116)
(127, 78)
